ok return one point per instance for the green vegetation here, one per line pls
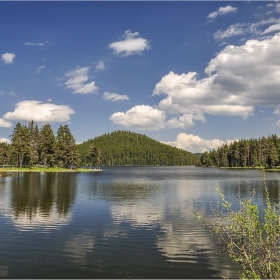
(38, 149)
(248, 241)
(128, 148)
(32, 147)
(262, 152)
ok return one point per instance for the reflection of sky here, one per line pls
(78, 246)
(29, 221)
(182, 238)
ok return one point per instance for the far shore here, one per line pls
(47, 169)
(255, 168)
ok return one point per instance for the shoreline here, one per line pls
(254, 168)
(49, 170)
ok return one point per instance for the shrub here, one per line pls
(252, 243)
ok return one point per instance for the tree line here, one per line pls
(31, 146)
(262, 152)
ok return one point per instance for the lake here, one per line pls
(124, 222)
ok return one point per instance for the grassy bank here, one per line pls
(43, 169)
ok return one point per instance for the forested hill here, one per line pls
(129, 148)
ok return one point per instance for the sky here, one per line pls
(191, 74)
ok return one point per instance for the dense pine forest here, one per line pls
(129, 148)
(262, 152)
(33, 146)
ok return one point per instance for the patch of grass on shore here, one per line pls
(43, 169)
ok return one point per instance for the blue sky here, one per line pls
(191, 74)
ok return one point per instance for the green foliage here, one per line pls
(47, 145)
(21, 142)
(66, 149)
(248, 241)
(264, 152)
(32, 146)
(128, 148)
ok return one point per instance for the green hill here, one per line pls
(129, 148)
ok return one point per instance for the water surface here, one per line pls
(124, 222)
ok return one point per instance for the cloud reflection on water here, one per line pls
(181, 238)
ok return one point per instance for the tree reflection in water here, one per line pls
(39, 199)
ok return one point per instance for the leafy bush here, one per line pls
(252, 243)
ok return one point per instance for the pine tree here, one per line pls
(47, 145)
(65, 148)
(34, 143)
(21, 142)
(3, 153)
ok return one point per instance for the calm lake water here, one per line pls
(126, 222)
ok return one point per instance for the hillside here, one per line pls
(129, 148)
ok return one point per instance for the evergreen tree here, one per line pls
(47, 145)
(21, 142)
(66, 149)
(34, 143)
(92, 154)
(3, 153)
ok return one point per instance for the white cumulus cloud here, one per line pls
(239, 79)
(4, 123)
(78, 81)
(222, 11)
(132, 44)
(195, 144)
(184, 121)
(140, 117)
(114, 96)
(28, 110)
(8, 57)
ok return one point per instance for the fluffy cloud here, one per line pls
(140, 117)
(4, 123)
(114, 96)
(78, 79)
(222, 11)
(8, 57)
(130, 45)
(239, 78)
(100, 65)
(28, 110)
(184, 121)
(195, 144)
(4, 140)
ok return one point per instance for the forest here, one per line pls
(33, 146)
(129, 148)
(262, 152)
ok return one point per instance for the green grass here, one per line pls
(43, 169)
